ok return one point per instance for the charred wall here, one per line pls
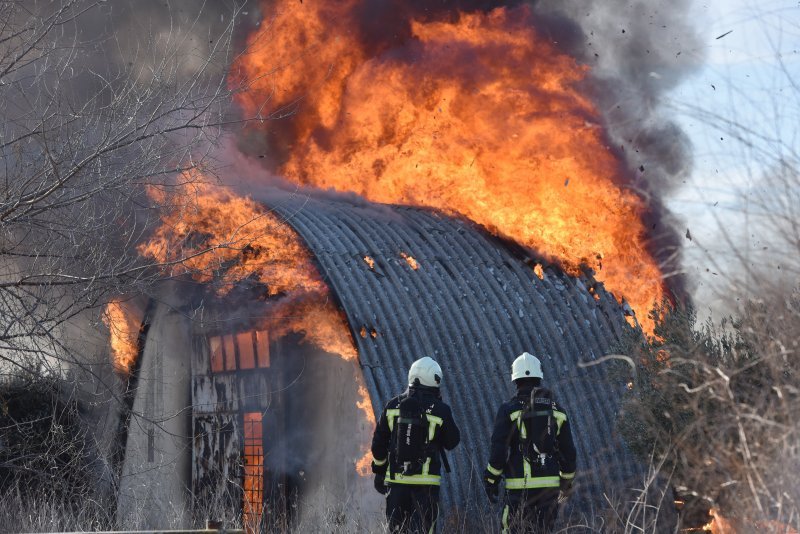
(306, 423)
(232, 422)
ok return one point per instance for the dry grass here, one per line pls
(719, 405)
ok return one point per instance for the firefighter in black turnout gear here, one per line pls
(532, 449)
(408, 450)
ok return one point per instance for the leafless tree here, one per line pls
(91, 114)
(99, 102)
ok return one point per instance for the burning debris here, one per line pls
(721, 525)
(371, 332)
(718, 524)
(593, 292)
(475, 113)
(369, 261)
(410, 260)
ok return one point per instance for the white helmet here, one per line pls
(425, 372)
(526, 366)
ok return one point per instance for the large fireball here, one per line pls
(474, 114)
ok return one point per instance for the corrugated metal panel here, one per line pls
(473, 306)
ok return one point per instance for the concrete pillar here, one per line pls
(155, 486)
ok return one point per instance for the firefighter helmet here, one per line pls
(526, 366)
(425, 372)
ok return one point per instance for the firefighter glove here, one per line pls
(379, 467)
(566, 489)
(380, 483)
(491, 483)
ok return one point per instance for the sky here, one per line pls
(741, 111)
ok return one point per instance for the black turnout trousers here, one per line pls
(412, 509)
(531, 511)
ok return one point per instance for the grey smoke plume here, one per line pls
(638, 51)
(316, 457)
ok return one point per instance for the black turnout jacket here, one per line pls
(507, 460)
(446, 435)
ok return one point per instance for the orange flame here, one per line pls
(364, 464)
(721, 525)
(123, 330)
(224, 238)
(718, 524)
(318, 319)
(410, 260)
(477, 115)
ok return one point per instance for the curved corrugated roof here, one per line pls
(473, 305)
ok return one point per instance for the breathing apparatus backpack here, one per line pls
(411, 436)
(539, 442)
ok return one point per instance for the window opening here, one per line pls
(253, 483)
(262, 347)
(217, 357)
(245, 350)
(230, 353)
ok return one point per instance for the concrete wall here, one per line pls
(155, 486)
